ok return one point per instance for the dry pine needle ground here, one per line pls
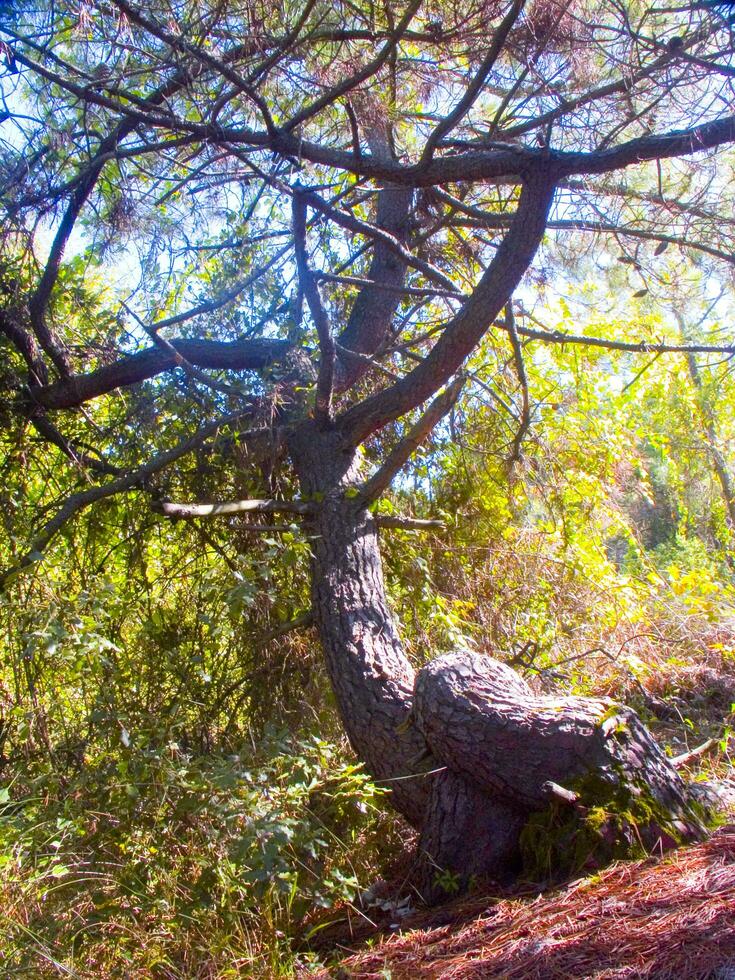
(671, 918)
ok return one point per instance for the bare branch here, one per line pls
(325, 380)
(227, 509)
(608, 227)
(473, 90)
(335, 94)
(387, 287)
(633, 347)
(409, 523)
(525, 419)
(686, 757)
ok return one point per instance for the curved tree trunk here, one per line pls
(481, 719)
(371, 676)
(472, 757)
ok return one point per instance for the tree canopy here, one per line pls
(339, 185)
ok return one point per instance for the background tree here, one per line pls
(328, 212)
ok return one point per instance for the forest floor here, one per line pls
(671, 917)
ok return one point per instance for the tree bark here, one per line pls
(482, 720)
(468, 834)
(367, 666)
(469, 753)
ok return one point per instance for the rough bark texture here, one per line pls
(482, 720)
(468, 751)
(468, 834)
(371, 676)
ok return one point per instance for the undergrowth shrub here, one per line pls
(155, 863)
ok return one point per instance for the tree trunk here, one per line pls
(370, 674)
(472, 757)
(468, 835)
(482, 720)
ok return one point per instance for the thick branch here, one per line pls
(372, 312)
(393, 207)
(237, 355)
(464, 332)
(679, 143)
(25, 345)
(192, 372)
(500, 161)
(300, 507)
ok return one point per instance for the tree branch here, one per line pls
(686, 757)
(382, 286)
(79, 501)
(194, 373)
(49, 433)
(499, 161)
(466, 329)
(409, 523)
(176, 41)
(334, 94)
(633, 347)
(39, 300)
(25, 345)
(325, 378)
(682, 142)
(399, 456)
(525, 419)
(227, 509)
(237, 355)
(475, 87)
(490, 220)
(393, 207)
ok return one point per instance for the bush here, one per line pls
(155, 863)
